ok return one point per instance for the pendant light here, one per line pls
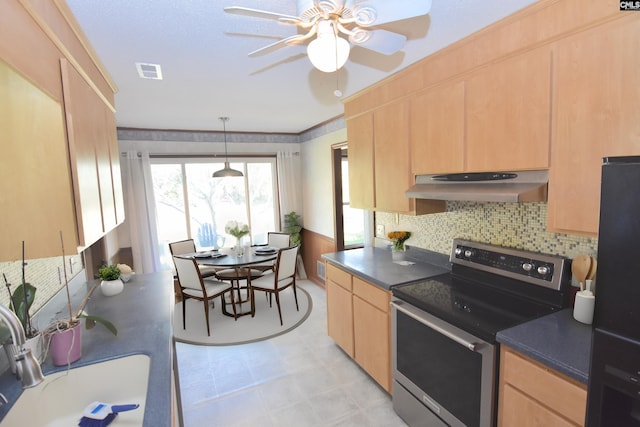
(227, 171)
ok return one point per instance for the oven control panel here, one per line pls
(532, 267)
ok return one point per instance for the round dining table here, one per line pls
(227, 259)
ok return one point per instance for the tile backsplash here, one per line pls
(516, 225)
(43, 273)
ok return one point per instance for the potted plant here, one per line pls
(111, 283)
(20, 302)
(64, 335)
(293, 227)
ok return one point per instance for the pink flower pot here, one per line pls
(66, 346)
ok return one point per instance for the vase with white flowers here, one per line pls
(237, 230)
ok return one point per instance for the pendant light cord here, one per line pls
(224, 129)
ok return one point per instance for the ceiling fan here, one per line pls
(328, 19)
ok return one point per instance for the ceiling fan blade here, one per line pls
(388, 11)
(246, 11)
(382, 41)
(280, 43)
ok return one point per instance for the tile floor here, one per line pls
(301, 378)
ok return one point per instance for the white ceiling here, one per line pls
(207, 73)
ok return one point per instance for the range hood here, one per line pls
(525, 186)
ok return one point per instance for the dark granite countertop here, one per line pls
(374, 265)
(556, 340)
(142, 313)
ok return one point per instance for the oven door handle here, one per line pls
(470, 345)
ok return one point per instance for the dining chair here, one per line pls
(275, 240)
(283, 277)
(188, 246)
(193, 286)
(278, 240)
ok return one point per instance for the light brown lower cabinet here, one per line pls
(359, 321)
(533, 395)
(340, 308)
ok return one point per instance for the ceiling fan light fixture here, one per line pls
(328, 52)
(226, 171)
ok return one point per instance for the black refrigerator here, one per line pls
(613, 396)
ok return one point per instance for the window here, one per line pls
(190, 204)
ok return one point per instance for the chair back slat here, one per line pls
(286, 263)
(182, 247)
(278, 240)
(188, 273)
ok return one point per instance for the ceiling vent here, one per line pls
(149, 71)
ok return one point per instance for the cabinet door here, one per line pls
(361, 178)
(340, 316)
(437, 130)
(537, 387)
(520, 410)
(508, 108)
(90, 131)
(36, 197)
(372, 341)
(597, 105)
(116, 175)
(392, 164)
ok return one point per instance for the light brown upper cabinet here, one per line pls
(508, 107)
(57, 128)
(361, 178)
(35, 184)
(597, 111)
(94, 165)
(391, 158)
(437, 130)
(379, 161)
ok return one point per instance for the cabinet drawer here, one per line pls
(540, 383)
(522, 411)
(372, 294)
(339, 277)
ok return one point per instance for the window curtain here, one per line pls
(290, 191)
(289, 183)
(140, 211)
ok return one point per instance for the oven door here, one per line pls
(451, 372)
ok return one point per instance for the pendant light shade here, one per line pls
(226, 171)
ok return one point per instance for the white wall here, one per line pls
(317, 182)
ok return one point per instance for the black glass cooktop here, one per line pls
(480, 310)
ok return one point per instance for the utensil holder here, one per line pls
(583, 308)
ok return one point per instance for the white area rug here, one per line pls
(226, 331)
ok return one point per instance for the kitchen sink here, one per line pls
(61, 398)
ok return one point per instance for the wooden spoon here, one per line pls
(580, 267)
(592, 269)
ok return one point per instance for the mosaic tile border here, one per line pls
(516, 225)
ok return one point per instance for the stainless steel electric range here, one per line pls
(445, 357)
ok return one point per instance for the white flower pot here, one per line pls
(111, 287)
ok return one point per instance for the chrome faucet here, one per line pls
(27, 367)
